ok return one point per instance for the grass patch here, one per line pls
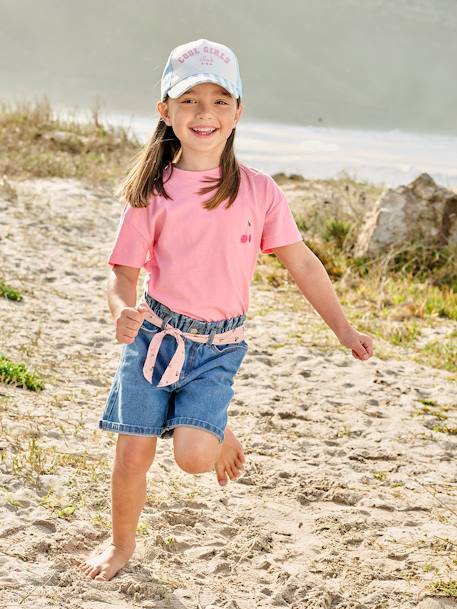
(380, 475)
(387, 297)
(143, 528)
(403, 335)
(431, 408)
(101, 521)
(336, 231)
(28, 459)
(66, 512)
(447, 588)
(442, 428)
(37, 143)
(32, 461)
(271, 272)
(427, 402)
(8, 292)
(12, 373)
(61, 508)
(10, 500)
(439, 353)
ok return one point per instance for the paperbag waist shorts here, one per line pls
(199, 397)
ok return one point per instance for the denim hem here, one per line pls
(190, 422)
(134, 430)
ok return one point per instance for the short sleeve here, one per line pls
(132, 242)
(279, 227)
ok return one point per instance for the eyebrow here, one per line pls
(215, 91)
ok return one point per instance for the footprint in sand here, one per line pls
(45, 525)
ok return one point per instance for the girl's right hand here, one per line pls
(128, 323)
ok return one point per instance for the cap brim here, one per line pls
(197, 79)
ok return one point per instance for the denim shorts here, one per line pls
(199, 398)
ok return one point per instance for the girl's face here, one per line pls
(202, 119)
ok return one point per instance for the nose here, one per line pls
(203, 108)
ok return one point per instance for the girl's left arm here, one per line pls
(314, 283)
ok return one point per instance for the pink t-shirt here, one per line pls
(200, 262)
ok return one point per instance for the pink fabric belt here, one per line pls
(173, 370)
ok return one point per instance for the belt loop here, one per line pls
(211, 336)
(166, 320)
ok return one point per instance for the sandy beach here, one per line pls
(348, 499)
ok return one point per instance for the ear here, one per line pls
(238, 113)
(162, 109)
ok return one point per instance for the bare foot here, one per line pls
(230, 459)
(105, 565)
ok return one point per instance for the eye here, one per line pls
(222, 101)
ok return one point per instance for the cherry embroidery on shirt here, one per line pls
(247, 237)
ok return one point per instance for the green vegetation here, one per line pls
(37, 143)
(12, 373)
(380, 475)
(336, 231)
(398, 297)
(431, 408)
(440, 353)
(447, 588)
(8, 292)
(446, 429)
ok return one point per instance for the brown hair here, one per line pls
(146, 174)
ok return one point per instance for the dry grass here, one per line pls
(37, 143)
(409, 317)
(401, 298)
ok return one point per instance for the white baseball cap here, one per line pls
(200, 61)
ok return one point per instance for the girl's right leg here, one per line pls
(134, 456)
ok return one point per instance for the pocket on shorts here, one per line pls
(227, 347)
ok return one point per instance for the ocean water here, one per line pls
(388, 158)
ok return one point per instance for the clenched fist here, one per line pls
(128, 323)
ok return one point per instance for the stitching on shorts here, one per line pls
(228, 347)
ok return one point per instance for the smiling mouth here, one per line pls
(203, 132)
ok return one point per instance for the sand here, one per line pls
(348, 499)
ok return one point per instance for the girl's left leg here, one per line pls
(230, 459)
(198, 451)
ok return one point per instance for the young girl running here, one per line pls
(195, 219)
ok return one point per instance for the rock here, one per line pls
(422, 211)
(437, 603)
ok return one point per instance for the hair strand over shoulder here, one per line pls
(146, 174)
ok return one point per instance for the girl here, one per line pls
(184, 342)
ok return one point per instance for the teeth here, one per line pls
(203, 130)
